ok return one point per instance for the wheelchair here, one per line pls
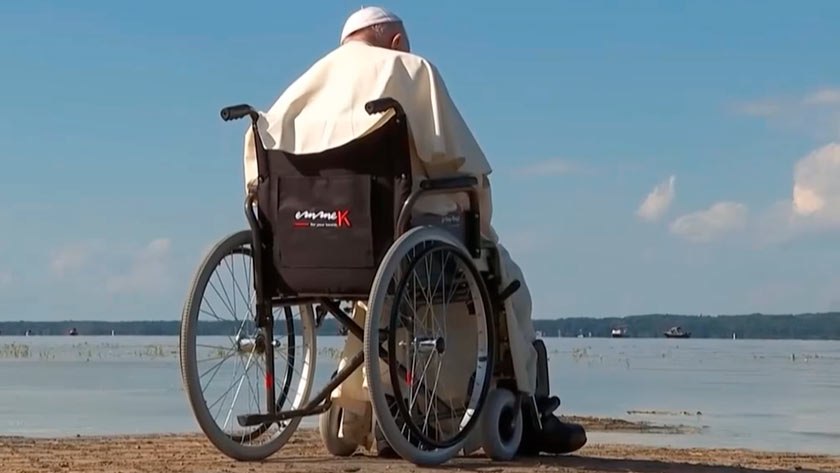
(333, 228)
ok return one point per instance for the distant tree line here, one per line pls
(825, 326)
(145, 327)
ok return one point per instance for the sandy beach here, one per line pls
(304, 453)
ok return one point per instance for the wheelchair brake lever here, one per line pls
(509, 290)
(320, 315)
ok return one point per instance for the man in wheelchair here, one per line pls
(324, 109)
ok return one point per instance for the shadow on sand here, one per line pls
(610, 465)
(565, 464)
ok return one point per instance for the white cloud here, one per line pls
(148, 272)
(551, 167)
(816, 185)
(114, 267)
(719, 220)
(71, 259)
(829, 96)
(816, 113)
(813, 205)
(658, 201)
(776, 224)
(764, 108)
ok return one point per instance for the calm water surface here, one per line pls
(775, 395)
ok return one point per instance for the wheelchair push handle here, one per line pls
(383, 105)
(235, 112)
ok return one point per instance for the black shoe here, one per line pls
(383, 448)
(560, 437)
(547, 405)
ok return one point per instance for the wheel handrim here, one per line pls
(228, 301)
(433, 420)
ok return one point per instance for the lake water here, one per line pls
(773, 395)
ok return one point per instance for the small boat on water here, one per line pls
(619, 332)
(677, 332)
(73, 332)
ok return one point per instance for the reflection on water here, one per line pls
(777, 395)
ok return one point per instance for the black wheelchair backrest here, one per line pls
(330, 217)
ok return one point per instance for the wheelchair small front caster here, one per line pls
(329, 424)
(502, 425)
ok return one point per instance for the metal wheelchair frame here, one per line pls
(265, 302)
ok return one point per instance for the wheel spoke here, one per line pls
(219, 295)
(212, 312)
(226, 299)
(239, 387)
(212, 377)
(421, 384)
(229, 371)
(433, 396)
(217, 366)
(233, 278)
(215, 347)
(247, 301)
(426, 288)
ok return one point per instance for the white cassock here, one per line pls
(324, 109)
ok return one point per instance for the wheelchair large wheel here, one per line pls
(223, 361)
(429, 345)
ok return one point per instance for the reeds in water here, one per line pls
(14, 350)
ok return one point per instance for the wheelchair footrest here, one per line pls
(250, 420)
(532, 413)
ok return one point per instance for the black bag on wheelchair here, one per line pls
(331, 216)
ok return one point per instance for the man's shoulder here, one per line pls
(356, 50)
(357, 63)
(412, 60)
(406, 57)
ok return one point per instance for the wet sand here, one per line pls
(304, 453)
(608, 424)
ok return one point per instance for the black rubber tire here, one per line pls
(237, 450)
(502, 425)
(328, 426)
(383, 413)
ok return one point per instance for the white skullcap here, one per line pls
(365, 17)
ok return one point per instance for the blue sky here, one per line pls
(116, 173)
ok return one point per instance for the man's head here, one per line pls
(377, 27)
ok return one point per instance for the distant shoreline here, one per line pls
(821, 326)
(540, 336)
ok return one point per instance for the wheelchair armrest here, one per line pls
(445, 183)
